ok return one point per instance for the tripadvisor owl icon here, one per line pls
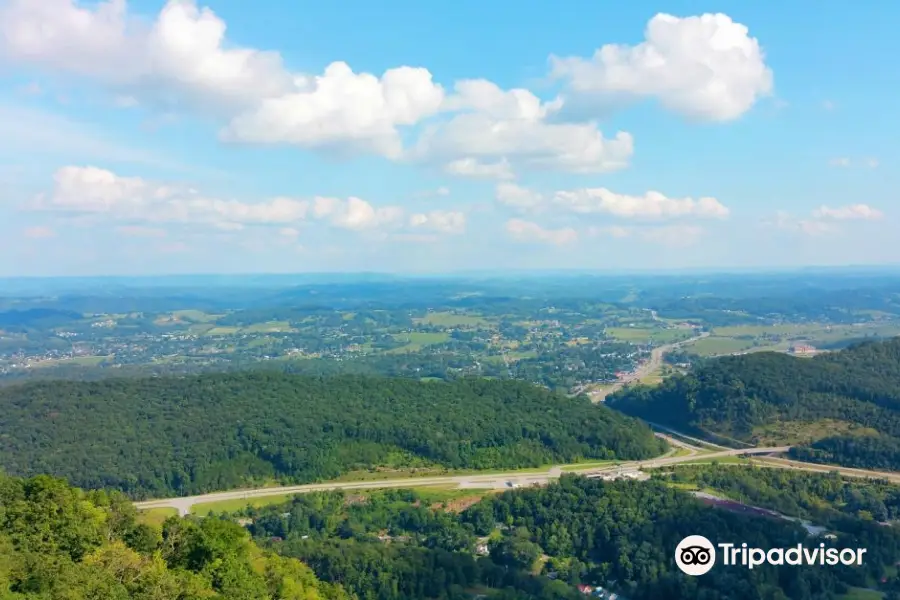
(695, 555)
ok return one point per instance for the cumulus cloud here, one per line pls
(651, 205)
(705, 67)
(95, 191)
(98, 193)
(518, 197)
(492, 128)
(355, 213)
(824, 219)
(182, 60)
(849, 212)
(452, 222)
(529, 232)
(341, 105)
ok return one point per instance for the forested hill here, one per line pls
(58, 542)
(842, 407)
(186, 435)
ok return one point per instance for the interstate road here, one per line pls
(474, 481)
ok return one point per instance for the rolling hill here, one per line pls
(841, 407)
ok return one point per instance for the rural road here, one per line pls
(489, 481)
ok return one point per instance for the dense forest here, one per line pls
(186, 435)
(823, 498)
(619, 535)
(855, 391)
(59, 543)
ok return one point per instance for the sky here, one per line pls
(224, 136)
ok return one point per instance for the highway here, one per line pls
(475, 481)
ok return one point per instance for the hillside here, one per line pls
(186, 435)
(61, 543)
(841, 407)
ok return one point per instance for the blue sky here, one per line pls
(222, 136)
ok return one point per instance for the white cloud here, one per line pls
(653, 205)
(839, 162)
(474, 169)
(497, 127)
(518, 197)
(849, 212)
(705, 67)
(180, 58)
(452, 222)
(824, 219)
(94, 191)
(98, 193)
(356, 213)
(342, 106)
(526, 231)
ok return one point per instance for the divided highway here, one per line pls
(490, 481)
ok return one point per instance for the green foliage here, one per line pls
(59, 543)
(821, 497)
(736, 395)
(392, 546)
(164, 436)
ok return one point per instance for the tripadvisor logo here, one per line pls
(696, 555)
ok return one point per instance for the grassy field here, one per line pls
(432, 495)
(589, 465)
(715, 345)
(814, 333)
(417, 341)
(81, 361)
(722, 460)
(644, 335)
(223, 331)
(155, 516)
(197, 316)
(230, 506)
(804, 432)
(449, 319)
(267, 327)
(862, 594)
